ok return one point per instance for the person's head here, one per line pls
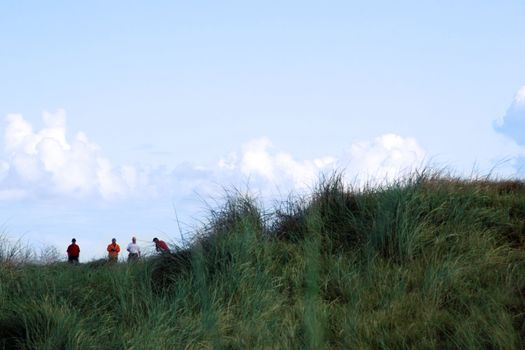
(113, 240)
(134, 240)
(155, 239)
(73, 240)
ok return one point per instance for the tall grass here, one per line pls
(14, 252)
(427, 262)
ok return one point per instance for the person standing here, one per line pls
(133, 250)
(161, 246)
(113, 250)
(73, 251)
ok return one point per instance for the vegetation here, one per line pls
(428, 262)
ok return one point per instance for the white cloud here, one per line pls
(229, 162)
(46, 160)
(26, 166)
(520, 96)
(259, 158)
(512, 124)
(384, 158)
(110, 185)
(515, 112)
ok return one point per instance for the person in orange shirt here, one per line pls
(113, 250)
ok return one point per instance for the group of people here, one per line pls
(133, 249)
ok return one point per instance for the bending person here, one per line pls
(161, 246)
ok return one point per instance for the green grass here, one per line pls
(429, 262)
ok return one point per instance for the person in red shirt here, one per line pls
(73, 251)
(161, 246)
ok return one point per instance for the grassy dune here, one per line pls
(429, 262)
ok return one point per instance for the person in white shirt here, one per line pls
(133, 250)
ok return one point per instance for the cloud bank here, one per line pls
(49, 163)
(384, 158)
(381, 159)
(259, 160)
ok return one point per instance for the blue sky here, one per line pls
(113, 113)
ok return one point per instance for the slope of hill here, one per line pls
(428, 262)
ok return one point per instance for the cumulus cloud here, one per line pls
(260, 161)
(383, 158)
(48, 162)
(513, 122)
(512, 125)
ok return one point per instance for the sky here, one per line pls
(119, 117)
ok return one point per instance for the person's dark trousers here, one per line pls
(72, 259)
(133, 257)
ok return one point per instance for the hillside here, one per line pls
(429, 262)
